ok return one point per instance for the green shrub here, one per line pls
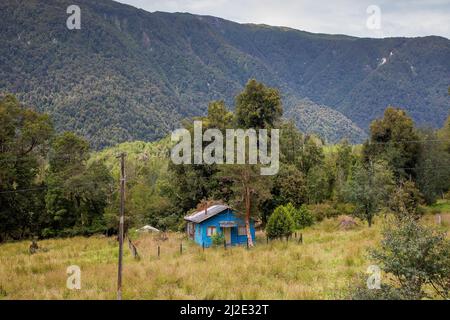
(281, 223)
(217, 239)
(303, 217)
(416, 257)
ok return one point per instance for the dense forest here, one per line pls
(133, 75)
(53, 184)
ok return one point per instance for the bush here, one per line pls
(217, 239)
(281, 223)
(303, 217)
(418, 260)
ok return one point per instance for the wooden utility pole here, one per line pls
(121, 223)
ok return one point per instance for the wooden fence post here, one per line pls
(181, 248)
(225, 244)
(133, 249)
(203, 246)
(300, 240)
(159, 251)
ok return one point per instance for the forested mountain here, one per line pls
(130, 74)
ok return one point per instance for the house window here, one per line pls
(210, 231)
(242, 231)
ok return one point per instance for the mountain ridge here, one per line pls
(129, 74)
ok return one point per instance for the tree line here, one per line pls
(54, 185)
(398, 162)
(47, 187)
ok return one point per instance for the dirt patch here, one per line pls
(347, 223)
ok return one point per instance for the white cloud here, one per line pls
(398, 18)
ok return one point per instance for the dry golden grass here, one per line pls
(322, 267)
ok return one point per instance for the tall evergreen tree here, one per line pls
(258, 106)
(24, 137)
(394, 139)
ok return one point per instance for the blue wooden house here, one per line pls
(203, 224)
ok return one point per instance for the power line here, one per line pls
(408, 141)
(23, 190)
(63, 157)
(47, 187)
(422, 168)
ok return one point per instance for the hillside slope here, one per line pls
(130, 74)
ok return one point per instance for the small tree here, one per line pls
(405, 201)
(289, 186)
(281, 224)
(318, 184)
(249, 189)
(303, 217)
(368, 189)
(417, 261)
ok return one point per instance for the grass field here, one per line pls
(322, 267)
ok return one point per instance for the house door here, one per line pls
(227, 234)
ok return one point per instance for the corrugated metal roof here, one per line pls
(200, 216)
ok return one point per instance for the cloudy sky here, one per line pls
(365, 18)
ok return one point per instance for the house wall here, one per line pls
(228, 215)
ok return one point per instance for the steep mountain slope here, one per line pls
(129, 74)
(320, 120)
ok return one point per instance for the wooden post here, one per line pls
(300, 240)
(181, 248)
(247, 244)
(203, 246)
(225, 244)
(159, 251)
(267, 239)
(133, 249)
(121, 224)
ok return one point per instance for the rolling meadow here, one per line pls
(322, 267)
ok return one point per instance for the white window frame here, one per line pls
(211, 231)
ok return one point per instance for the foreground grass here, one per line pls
(322, 267)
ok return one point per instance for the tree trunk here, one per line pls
(247, 217)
